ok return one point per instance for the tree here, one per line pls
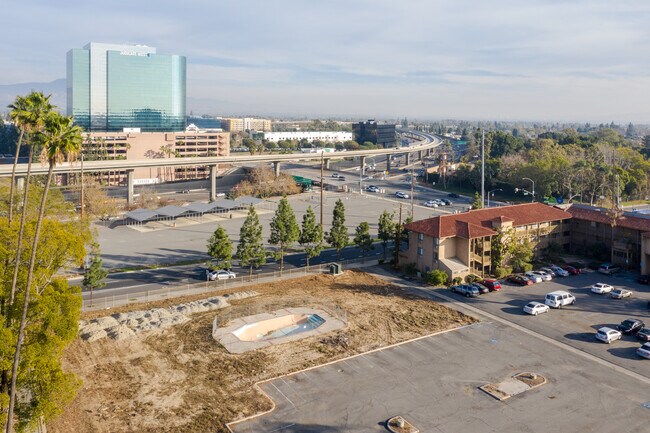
(386, 230)
(363, 240)
(54, 308)
(284, 229)
(436, 277)
(521, 255)
(250, 250)
(94, 273)
(60, 139)
(477, 203)
(338, 235)
(311, 235)
(220, 248)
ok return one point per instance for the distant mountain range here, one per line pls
(56, 88)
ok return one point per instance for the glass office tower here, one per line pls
(113, 87)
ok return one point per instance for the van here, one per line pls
(559, 298)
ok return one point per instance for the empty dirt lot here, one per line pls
(180, 379)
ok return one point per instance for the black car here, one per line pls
(643, 334)
(630, 326)
(453, 195)
(644, 279)
(445, 201)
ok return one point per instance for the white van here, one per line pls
(559, 298)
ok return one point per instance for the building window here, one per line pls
(420, 252)
(420, 236)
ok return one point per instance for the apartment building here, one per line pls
(460, 244)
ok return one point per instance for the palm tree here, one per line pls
(30, 114)
(61, 139)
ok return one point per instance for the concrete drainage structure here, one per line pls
(280, 326)
(514, 385)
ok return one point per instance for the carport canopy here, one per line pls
(227, 204)
(199, 207)
(172, 211)
(141, 215)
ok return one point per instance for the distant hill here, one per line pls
(56, 88)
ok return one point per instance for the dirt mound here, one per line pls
(180, 379)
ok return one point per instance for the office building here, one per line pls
(309, 136)
(381, 134)
(232, 124)
(193, 142)
(126, 87)
(252, 124)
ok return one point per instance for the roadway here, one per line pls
(126, 283)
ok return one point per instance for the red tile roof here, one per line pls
(478, 223)
(602, 216)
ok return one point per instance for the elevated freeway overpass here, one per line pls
(428, 142)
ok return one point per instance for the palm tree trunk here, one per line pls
(21, 231)
(23, 318)
(13, 176)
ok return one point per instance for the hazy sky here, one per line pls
(582, 60)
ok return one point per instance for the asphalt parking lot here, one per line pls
(576, 324)
(433, 382)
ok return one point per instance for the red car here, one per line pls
(492, 285)
(520, 279)
(571, 269)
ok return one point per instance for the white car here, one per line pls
(400, 194)
(533, 277)
(335, 175)
(644, 351)
(601, 288)
(431, 203)
(608, 335)
(372, 188)
(620, 293)
(219, 275)
(535, 308)
(544, 275)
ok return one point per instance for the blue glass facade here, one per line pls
(113, 87)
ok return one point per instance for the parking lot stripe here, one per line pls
(565, 346)
(283, 395)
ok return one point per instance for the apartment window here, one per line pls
(420, 236)
(420, 252)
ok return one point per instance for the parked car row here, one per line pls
(546, 273)
(477, 288)
(630, 326)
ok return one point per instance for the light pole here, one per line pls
(532, 200)
(490, 192)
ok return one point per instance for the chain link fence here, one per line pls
(105, 301)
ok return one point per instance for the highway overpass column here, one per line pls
(213, 181)
(129, 187)
(327, 163)
(362, 160)
(408, 159)
(20, 183)
(388, 157)
(420, 155)
(276, 168)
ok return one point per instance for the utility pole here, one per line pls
(322, 163)
(398, 237)
(483, 169)
(412, 193)
(83, 195)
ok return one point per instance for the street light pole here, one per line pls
(412, 194)
(322, 162)
(490, 192)
(533, 192)
(483, 169)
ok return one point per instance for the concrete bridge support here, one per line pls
(408, 159)
(20, 183)
(327, 163)
(213, 181)
(388, 157)
(129, 187)
(276, 169)
(362, 160)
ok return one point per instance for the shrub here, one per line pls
(436, 277)
(409, 268)
(471, 278)
(456, 280)
(501, 272)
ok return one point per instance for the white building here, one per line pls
(331, 136)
